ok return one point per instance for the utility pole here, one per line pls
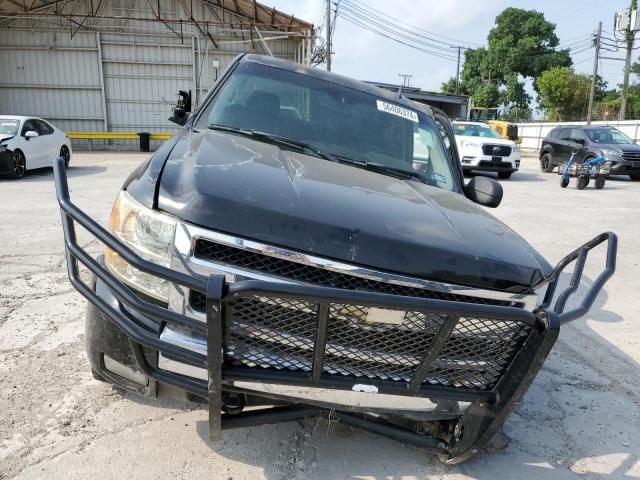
(629, 37)
(406, 79)
(328, 23)
(458, 72)
(594, 75)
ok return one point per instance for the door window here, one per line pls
(43, 127)
(564, 134)
(577, 136)
(29, 126)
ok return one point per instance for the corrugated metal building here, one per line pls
(116, 65)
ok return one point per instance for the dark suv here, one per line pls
(308, 244)
(591, 141)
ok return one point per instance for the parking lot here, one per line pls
(581, 418)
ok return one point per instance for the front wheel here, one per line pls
(504, 175)
(582, 183)
(66, 156)
(18, 165)
(546, 165)
(564, 182)
(599, 183)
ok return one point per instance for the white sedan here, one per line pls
(30, 142)
(482, 149)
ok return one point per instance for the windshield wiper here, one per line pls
(283, 141)
(381, 168)
(288, 142)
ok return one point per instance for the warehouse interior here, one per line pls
(117, 65)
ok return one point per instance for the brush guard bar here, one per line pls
(489, 407)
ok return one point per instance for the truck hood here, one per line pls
(258, 191)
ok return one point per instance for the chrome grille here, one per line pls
(631, 156)
(496, 150)
(257, 262)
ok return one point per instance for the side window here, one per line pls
(29, 126)
(442, 130)
(43, 128)
(564, 134)
(577, 136)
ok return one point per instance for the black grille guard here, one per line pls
(488, 409)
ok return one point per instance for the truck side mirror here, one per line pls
(484, 191)
(182, 110)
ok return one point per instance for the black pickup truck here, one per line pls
(308, 245)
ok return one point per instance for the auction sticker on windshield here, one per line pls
(397, 110)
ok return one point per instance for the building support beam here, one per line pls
(263, 42)
(105, 119)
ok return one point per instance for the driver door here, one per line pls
(578, 141)
(33, 148)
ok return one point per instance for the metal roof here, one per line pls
(252, 12)
(414, 93)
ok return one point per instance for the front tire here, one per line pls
(599, 183)
(18, 165)
(504, 175)
(546, 165)
(66, 155)
(564, 182)
(582, 183)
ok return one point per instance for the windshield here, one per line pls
(474, 130)
(335, 120)
(9, 126)
(608, 135)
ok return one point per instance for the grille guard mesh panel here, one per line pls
(258, 262)
(280, 333)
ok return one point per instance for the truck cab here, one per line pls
(306, 245)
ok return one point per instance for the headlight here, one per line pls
(607, 153)
(516, 147)
(151, 235)
(464, 144)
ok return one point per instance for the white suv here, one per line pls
(482, 149)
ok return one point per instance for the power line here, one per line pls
(385, 21)
(377, 13)
(366, 27)
(389, 28)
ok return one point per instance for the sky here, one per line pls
(365, 55)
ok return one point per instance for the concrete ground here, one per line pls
(580, 419)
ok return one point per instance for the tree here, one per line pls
(564, 93)
(524, 42)
(486, 95)
(514, 94)
(521, 46)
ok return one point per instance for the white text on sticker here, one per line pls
(397, 110)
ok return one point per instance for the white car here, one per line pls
(30, 142)
(481, 148)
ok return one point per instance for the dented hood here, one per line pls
(256, 190)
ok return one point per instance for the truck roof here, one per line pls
(337, 79)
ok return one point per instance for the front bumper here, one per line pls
(476, 161)
(5, 162)
(625, 167)
(514, 342)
